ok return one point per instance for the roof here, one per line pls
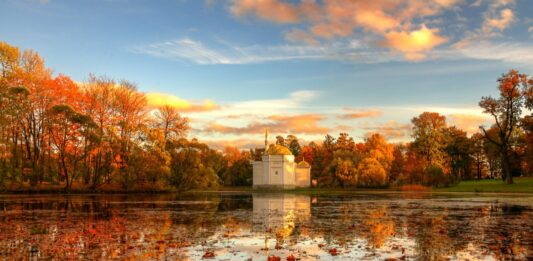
(303, 164)
(278, 150)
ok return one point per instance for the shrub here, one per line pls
(413, 187)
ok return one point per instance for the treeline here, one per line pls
(54, 131)
(99, 133)
(439, 155)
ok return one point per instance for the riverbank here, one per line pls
(521, 185)
(47, 188)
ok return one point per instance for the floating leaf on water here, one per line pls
(274, 258)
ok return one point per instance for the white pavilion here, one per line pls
(277, 169)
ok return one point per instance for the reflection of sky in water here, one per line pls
(251, 227)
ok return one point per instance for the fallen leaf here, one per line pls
(274, 258)
(208, 254)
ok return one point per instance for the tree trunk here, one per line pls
(506, 167)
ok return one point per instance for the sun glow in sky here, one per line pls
(303, 67)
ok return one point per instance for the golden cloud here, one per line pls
(357, 114)
(234, 143)
(392, 20)
(301, 124)
(416, 43)
(391, 130)
(271, 10)
(468, 122)
(505, 19)
(157, 100)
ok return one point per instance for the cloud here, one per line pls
(468, 122)
(156, 100)
(271, 10)
(237, 143)
(416, 43)
(391, 130)
(230, 53)
(498, 17)
(477, 3)
(358, 114)
(501, 22)
(344, 128)
(513, 53)
(395, 21)
(294, 101)
(184, 49)
(279, 124)
(297, 35)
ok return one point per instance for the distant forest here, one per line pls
(100, 134)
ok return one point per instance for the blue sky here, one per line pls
(301, 67)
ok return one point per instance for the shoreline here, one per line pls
(523, 185)
(267, 191)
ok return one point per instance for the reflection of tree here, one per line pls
(201, 219)
(163, 226)
(378, 227)
(507, 242)
(432, 241)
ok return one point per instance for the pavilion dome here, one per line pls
(278, 150)
(303, 164)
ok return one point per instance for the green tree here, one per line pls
(293, 145)
(459, 150)
(188, 170)
(239, 173)
(429, 137)
(478, 154)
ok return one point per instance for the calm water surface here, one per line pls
(255, 226)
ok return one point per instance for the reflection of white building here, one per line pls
(277, 169)
(279, 212)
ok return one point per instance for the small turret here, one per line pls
(266, 139)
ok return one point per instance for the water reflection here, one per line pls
(243, 227)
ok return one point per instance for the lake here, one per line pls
(253, 226)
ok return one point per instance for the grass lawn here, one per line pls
(521, 185)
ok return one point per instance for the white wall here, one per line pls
(258, 173)
(302, 177)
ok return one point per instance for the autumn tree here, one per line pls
(33, 75)
(527, 123)
(170, 121)
(398, 163)
(130, 113)
(99, 93)
(371, 173)
(339, 160)
(66, 130)
(506, 111)
(377, 161)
